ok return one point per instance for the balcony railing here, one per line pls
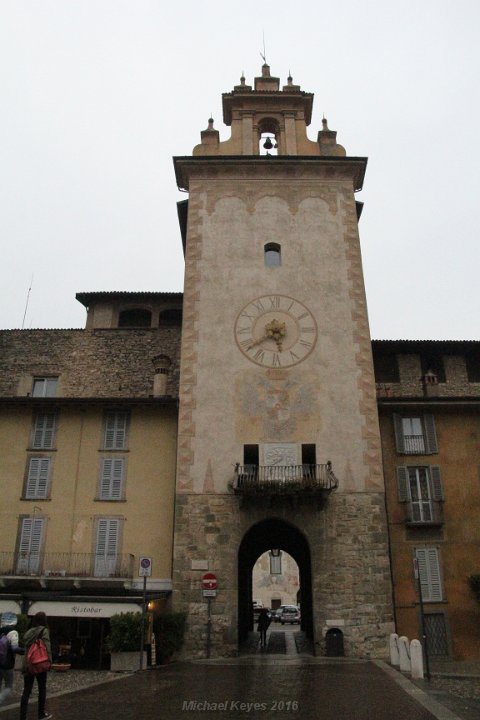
(66, 565)
(414, 444)
(424, 512)
(284, 479)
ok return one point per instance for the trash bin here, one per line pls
(334, 643)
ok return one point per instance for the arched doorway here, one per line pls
(263, 536)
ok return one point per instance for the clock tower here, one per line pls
(278, 439)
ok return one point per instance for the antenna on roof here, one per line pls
(264, 54)
(26, 304)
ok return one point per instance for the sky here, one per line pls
(97, 96)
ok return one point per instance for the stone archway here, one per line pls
(267, 534)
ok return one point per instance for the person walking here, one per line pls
(8, 648)
(39, 629)
(263, 625)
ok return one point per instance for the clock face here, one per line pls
(275, 331)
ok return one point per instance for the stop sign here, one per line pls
(209, 581)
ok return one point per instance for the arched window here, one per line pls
(272, 255)
(137, 317)
(170, 318)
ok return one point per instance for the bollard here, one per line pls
(404, 648)
(394, 654)
(416, 659)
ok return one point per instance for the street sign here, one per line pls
(209, 581)
(145, 568)
(209, 593)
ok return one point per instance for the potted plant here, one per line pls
(169, 629)
(123, 642)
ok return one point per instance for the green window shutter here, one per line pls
(402, 483)
(431, 445)
(436, 483)
(429, 571)
(399, 439)
(37, 480)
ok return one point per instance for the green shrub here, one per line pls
(169, 630)
(125, 632)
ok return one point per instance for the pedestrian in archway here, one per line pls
(263, 625)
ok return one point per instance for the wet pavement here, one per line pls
(274, 683)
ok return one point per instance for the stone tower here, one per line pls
(278, 442)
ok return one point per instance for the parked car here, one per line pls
(290, 614)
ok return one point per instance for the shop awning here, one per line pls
(82, 609)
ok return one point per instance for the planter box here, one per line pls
(127, 661)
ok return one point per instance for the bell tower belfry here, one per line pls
(278, 438)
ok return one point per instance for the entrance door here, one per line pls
(436, 632)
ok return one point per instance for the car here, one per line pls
(290, 614)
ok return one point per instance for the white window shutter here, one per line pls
(31, 533)
(402, 483)
(111, 481)
(44, 431)
(115, 430)
(431, 445)
(37, 480)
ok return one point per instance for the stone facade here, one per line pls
(115, 363)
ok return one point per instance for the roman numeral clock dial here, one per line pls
(275, 331)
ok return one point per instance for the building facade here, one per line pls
(88, 424)
(249, 417)
(428, 399)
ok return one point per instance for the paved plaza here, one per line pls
(275, 683)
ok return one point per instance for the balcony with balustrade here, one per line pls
(64, 570)
(301, 482)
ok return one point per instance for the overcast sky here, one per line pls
(96, 96)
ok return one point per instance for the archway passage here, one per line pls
(265, 535)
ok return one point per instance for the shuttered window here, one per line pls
(115, 431)
(107, 546)
(419, 483)
(415, 435)
(429, 571)
(43, 436)
(112, 479)
(45, 386)
(30, 545)
(37, 478)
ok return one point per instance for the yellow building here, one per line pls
(88, 423)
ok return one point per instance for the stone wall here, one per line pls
(350, 568)
(89, 363)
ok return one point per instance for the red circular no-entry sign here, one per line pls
(209, 581)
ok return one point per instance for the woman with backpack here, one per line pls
(37, 642)
(8, 648)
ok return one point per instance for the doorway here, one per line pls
(273, 533)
